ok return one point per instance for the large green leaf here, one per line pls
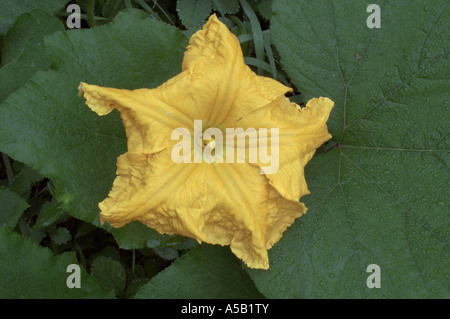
(11, 207)
(11, 9)
(48, 127)
(205, 271)
(24, 54)
(380, 196)
(109, 273)
(24, 180)
(30, 271)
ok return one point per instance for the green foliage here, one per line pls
(24, 54)
(30, 271)
(136, 235)
(378, 189)
(24, 180)
(226, 6)
(204, 272)
(50, 213)
(12, 207)
(265, 9)
(47, 114)
(109, 273)
(12, 9)
(60, 235)
(379, 195)
(256, 31)
(193, 12)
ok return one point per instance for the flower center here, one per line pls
(206, 142)
(210, 143)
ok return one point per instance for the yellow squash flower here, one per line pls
(223, 202)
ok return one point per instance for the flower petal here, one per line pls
(224, 87)
(149, 115)
(225, 204)
(301, 132)
(151, 188)
(249, 214)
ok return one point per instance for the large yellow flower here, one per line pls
(225, 203)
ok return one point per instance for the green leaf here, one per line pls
(193, 13)
(109, 251)
(265, 9)
(136, 235)
(168, 253)
(380, 196)
(12, 9)
(85, 229)
(226, 6)
(205, 271)
(12, 206)
(134, 285)
(152, 266)
(8, 170)
(48, 127)
(111, 8)
(258, 37)
(50, 213)
(24, 180)
(60, 235)
(109, 273)
(23, 54)
(30, 271)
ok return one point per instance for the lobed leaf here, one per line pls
(30, 271)
(109, 273)
(379, 195)
(205, 271)
(12, 206)
(12, 9)
(24, 54)
(226, 6)
(193, 13)
(48, 127)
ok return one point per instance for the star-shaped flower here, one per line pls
(214, 200)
